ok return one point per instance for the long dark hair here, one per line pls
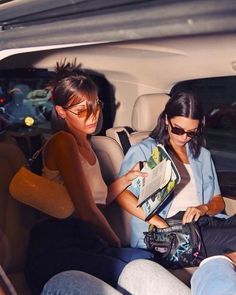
(185, 104)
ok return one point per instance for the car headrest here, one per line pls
(147, 109)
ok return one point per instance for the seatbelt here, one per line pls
(121, 136)
(124, 141)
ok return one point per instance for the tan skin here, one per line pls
(178, 143)
(61, 153)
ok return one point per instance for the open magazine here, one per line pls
(154, 189)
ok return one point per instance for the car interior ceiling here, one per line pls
(102, 21)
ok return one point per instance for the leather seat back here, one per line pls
(110, 156)
(16, 219)
(146, 111)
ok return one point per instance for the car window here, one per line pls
(23, 93)
(218, 96)
(25, 107)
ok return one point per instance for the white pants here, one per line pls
(145, 277)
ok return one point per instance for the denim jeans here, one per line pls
(56, 246)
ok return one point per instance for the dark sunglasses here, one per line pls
(181, 131)
(84, 112)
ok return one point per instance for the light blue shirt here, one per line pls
(203, 170)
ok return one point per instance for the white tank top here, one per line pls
(185, 194)
(92, 173)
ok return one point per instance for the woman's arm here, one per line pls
(66, 159)
(214, 206)
(126, 199)
(120, 184)
(215, 203)
(129, 202)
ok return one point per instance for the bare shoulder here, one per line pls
(60, 144)
(62, 139)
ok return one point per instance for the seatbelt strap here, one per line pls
(124, 141)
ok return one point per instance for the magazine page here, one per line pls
(157, 178)
(162, 178)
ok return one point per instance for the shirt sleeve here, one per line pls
(215, 178)
(137, 153)
(206, 174)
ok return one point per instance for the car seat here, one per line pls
(146, 111)
(110, 156)
(16, 219)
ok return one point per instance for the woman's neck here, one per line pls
(81, 137)
(84, 146)
(180, 153)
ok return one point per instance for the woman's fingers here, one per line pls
(191, 214)
(186, 216)
(135, 172)
(196, 217)
(136, 167)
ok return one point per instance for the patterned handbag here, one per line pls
(177, 246)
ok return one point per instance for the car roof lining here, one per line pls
(136, 20)
(156, 63)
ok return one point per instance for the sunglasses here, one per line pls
(84, 112)
(181, 131)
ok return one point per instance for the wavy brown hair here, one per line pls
(71, 85)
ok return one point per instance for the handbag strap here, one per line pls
(37, 153)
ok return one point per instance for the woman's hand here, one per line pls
(134, 173)
(158, 222)
(193, 213)
(121, 183)
(215, 206)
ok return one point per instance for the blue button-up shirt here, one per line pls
(203, 170)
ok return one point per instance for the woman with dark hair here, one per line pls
(180, 129)
(85, 241)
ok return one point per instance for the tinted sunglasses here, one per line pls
(181, 131)
(83, 113)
